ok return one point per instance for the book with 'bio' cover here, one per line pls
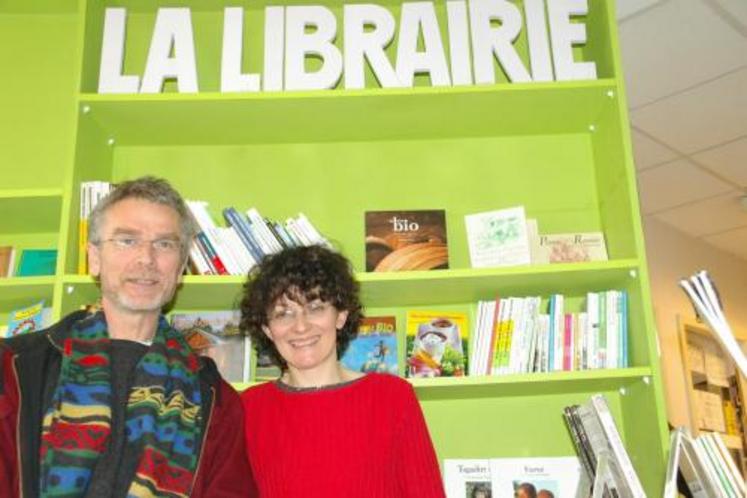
(406, 240)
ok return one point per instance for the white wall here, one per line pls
(673, 255)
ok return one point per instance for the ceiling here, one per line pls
(685, 64)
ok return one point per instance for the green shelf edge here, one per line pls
(602, 83)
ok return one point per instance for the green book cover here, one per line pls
(37, 262)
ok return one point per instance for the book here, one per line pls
(572, 247)
(406, 240)
(375, 347)
(29, 319)
(498, 238)
(34, 262)
(7, 257)
(216, 334)
(266, 369)
(468, 478)
(436, 344)
(541, 477)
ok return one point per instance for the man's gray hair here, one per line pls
(149, 188)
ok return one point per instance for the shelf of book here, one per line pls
(560, 149)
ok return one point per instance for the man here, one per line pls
(115, 403)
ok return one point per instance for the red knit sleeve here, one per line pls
(9, 484)
(416, 466)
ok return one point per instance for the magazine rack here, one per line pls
(608, 481)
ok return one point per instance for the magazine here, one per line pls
(375, 347)
(216, 334)
(436, 344)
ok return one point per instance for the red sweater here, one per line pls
(364, 438)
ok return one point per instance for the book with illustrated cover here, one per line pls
(406, 240)
(498, 238)
(375, 347)
(467, 478)
(572, 247)
(542, 477)
(216, 334)
(437, 344)
(30, 319)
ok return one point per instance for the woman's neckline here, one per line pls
(312, 389)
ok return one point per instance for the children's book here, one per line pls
(498, 238)
(375, 347)
(465, 478)
(406, 240)
(437, 344)
(549, 477)
(216, 334)
(572, 247)
(29, 319)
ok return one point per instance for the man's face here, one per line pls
(137, 275)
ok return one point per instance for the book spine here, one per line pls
(602, 341)
(271, 227)
(493, 333)
(579, 445)
(198, 261)
(212, 255)
(624, 329)
(567, 341)
(236, 220)
(258, 224)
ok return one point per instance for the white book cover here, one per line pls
(558, 477)
(498, 238)
(571, 247)
(599, 405)
(465, 478)
(592, 329)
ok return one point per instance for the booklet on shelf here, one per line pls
(572, 247)
(216, 334)
(29, 319)
(465, 478)
(436, 344)
(406, 240)
(375, 347)
(498, 238)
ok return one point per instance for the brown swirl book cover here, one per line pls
(406, 240)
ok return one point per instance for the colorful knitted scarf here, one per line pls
(162, 416)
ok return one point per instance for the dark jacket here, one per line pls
(29, 370)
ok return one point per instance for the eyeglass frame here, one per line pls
(119, 243)
(311, 311)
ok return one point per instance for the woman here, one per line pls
(321, 429)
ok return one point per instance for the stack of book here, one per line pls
(705, 465)
(601, 450)
(513, 336)
(90, 195)
(237, 248)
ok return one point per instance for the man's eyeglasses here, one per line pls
(286, 316)
(161, 246)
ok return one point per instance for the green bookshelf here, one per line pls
(561, 149)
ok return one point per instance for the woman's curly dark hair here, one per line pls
(302, 274)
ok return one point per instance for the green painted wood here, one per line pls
(561, 149)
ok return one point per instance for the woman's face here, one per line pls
(305, 333)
